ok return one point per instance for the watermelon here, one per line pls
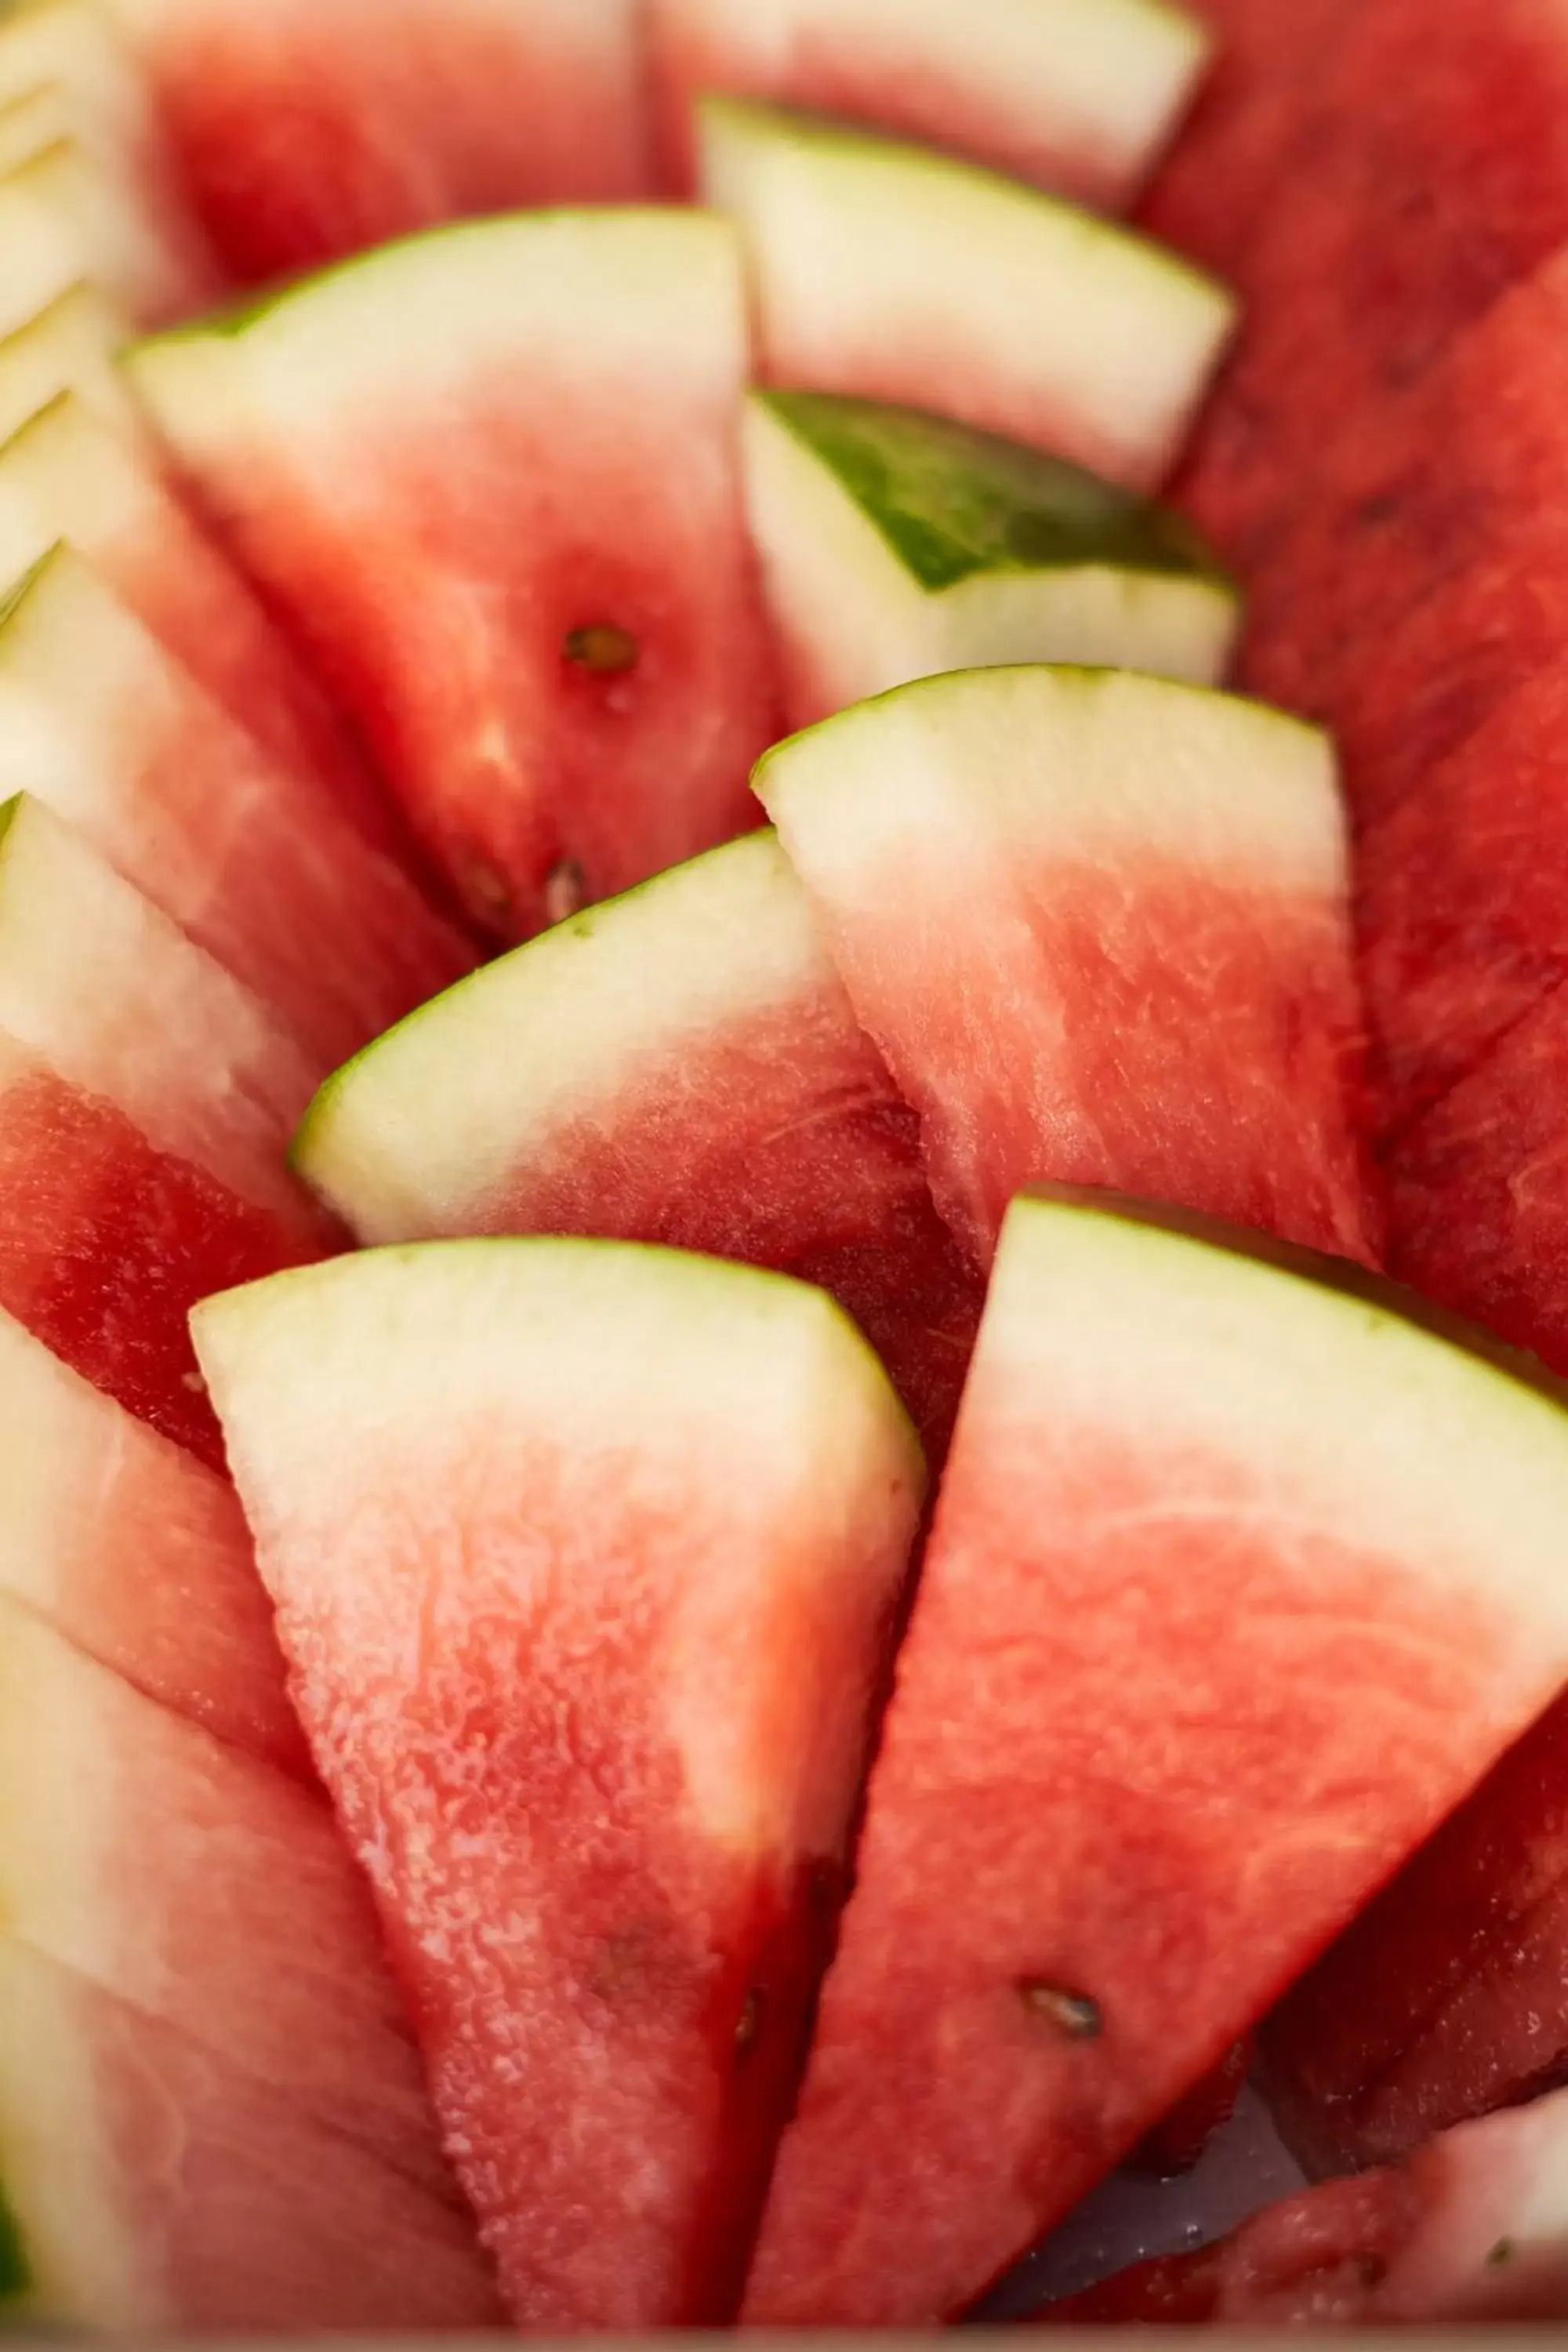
(68, 474)
(682, 1067)
(1446, 2000)
(888, 272)
(1075, 95)
(305, 134)
(259, 868)
(147, 1101)
(64, 215)
(532, 424)
(250, 2216)
(1473, 2226)
(70, 345)
(137, 1555)
(896, 544)
(1098, 926)
(585, 1557)
(1240, 1579)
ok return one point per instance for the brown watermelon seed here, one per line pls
(566, 891)
(1073, 2014)
(1504, 2252)
(606, 650)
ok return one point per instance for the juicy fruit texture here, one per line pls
(205, 1889)
(1473, 2226)
(1446, 1998)
(1192, 1487)
(1076, 95)
(146, 1103)
(68, 475)
(505, 1489)
(516, 547)
(887, 272)
(137, 1555)
(896, 544)
(682, 1067)
(70, 345)
(260, 868)
(307, 134)
(257, 2218)
(1098, 926)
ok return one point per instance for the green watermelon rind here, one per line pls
(953, 502)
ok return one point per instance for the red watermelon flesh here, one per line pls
(570, 683)
(683, 1067)
(1075, 95)
(1471, 2227)
(206, 1889)
(584, 1558)
(260, 868)
(137, 1555)
(253, 2217)
(1098, 926)
(1446, 2000)
(69, 474)
(306, 134)
(1213, 1627)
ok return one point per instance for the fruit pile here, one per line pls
(720, 1562)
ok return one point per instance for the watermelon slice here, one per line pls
(1098, 926)
(1473, 2226)
(888, 272)
(28, 125)
(68, 475)
(569, 691)
(1239, 1580)
(64, 215)
(896, 544)
(147, 1100)
(137, 1555)
(584, 1558)
(151, 2186)
(261, 869)
(307, 134)
(682, 1067)
(1076, 95)
(1446, 2000)
(70, 345)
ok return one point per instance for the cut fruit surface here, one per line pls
(66, 474)
(1098, 925)
(574, 678)
(888, 272)
(70, 345)
(586, 1556)
(680, 1067)
(896, 544)
(253, 2217)
(1075, 95)
(261, 868)
(205, 1888)
(1240, 1580)
(65, 217)
(137, 1555)
(147, 1101)
(1473, 2226)
(305, 135)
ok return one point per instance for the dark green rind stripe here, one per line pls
(952, 502)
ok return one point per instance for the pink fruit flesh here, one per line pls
(1058, 1924)
(575, 700)
(306, 136)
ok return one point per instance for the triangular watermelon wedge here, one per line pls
(66, 475)
(682, 1066)
(70, 345)
(1075, 95)
(884, 271)
(260, 2220)
(513, 536)
(260, 868)
(307, 134)
(1098, 925)
(586, 1559)
(1241, 1578)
